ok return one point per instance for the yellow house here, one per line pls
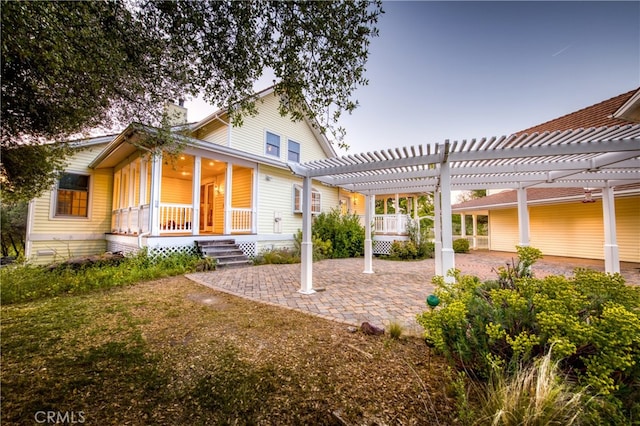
(564, 221)
(228, 183)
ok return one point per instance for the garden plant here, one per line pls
(588, 324)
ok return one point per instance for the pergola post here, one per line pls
(437, 231)
(448, 257)
(306, 247)
(523, 218)
(611, 250)
(368, 246)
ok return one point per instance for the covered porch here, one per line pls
(204, 190)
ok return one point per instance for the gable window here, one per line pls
(273, 144)
(72, 196)
(294, 151)
(316, 200)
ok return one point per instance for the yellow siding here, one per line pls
(503, 225)
(275, 195)
(251, 136)
(572, 229)
(628, 228)
(66, 235)
(176, 191)
(242, 182)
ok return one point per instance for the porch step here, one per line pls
(225, 252)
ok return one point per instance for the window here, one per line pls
(316, 200)
(294, 152)
(273, 144)
(72, 197)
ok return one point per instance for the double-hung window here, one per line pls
(293, 153)
(316, 200)
(273, 145)
(72, 196)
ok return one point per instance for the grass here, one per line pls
(171, 352)
(534, 395)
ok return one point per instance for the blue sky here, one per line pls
(462, 70)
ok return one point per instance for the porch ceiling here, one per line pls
(593, 157)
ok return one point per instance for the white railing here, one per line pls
(241, 220)
(390, 223)
(476, 242)
(130, 220)
(176, 218)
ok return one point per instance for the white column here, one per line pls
(254, 202)
(154, 200)
(437, 230)
(463, 225)
(228, 185)
(306, 247)
(415, 207)
(474, 224)
(143, 181)
(368, 246)
(195, 199)
(523, 218)
(611, 250)
(448, 257)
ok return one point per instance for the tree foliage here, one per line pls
(69, 67)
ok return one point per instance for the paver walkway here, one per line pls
(395, 292)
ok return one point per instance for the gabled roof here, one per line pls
(600, 114)
(124, 145)
(325, 144)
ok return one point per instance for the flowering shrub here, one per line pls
(591, 324)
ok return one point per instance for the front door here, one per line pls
(207, 207)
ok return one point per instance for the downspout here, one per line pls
(140, 235)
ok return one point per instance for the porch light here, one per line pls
(588, 198)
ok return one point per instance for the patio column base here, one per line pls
(311, 291)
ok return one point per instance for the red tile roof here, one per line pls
(510, 198)
(596, 115)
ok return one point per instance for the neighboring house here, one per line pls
(565, 221)
(228, 183)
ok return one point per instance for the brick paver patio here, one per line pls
(395, 292)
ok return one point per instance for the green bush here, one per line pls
(343, 231)
(277, 256)
(418, 246)
(461, 245)
(592, 321)
(22, 283)
(321, 249)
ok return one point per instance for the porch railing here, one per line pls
(390, 223)
(476, 242)
(176, 218)
(241, 220)
(130, 220)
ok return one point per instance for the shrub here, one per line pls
(343, 230)
(277, 256)
(592, 321)
(321, 249)
(418, 246)
(461, 245)
(21, 283)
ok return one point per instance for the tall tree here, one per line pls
(69, 67)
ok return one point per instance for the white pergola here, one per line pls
(602, 157)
